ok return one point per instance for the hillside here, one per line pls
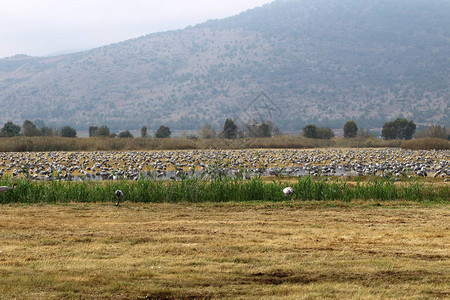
(321, 61)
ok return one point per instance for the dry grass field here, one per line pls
(283, 250)
(30, 144)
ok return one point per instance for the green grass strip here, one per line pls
(219, 190)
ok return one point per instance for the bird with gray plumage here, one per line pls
(7, 188)
(119, 194)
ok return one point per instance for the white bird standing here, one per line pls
(7, 188)
(119, 195)
(288, 191)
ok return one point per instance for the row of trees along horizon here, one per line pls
(399, 129)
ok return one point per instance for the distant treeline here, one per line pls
(400, 128)
(30, 137)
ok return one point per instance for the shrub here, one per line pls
(364, 133)
(206, 132)
(312, 132)
(258, 130)
(125, 134)
(325, 133)
(48, 131)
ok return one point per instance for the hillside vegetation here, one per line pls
(321, 61)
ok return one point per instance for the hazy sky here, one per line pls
(47, 27)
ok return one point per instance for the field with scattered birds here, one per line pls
(225, 224)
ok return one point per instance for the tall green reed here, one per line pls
(218, 190)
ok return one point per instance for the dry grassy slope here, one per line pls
(319, 60)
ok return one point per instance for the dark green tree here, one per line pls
(29, 129)
(258, 130)
(265, 130)
(10, 129)
(48, 131)
(102, 131)
(144, 132)
(125, 134)
(350, 129)
(400, 129)
(230, 130)
(389, 131)
(163, 132)
(324, 133)
(310, 131)
(405, 129)
(92, 130)
(68, 131)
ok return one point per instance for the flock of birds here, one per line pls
(131, 165)
(173, 164)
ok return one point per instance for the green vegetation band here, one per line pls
(226, 189)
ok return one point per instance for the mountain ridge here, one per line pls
(320, 61)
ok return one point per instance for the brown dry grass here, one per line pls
(299, 250)
(427, 143)
(30, 144)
